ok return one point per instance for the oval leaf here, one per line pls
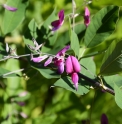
(47, 73)
(118, 96)
(65, 82)
(74, 43)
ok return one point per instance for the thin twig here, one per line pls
(13, 72)
(16, 57)
(97, 84)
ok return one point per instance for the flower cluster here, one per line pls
(71, 64)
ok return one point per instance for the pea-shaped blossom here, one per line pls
(87, 17)
(38, 59)
(9, 7)
(73, 67)
(59, 59)
(58, 23)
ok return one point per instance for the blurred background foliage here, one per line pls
(46, 104)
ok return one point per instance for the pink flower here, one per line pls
(49, 60)
(75, 79)
(87, 16)
(9, 7)
(73, 67)
(39, 59)
(58, 23)
(59, 60)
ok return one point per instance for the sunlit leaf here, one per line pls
(74, 43)
(65, 82)
(88, 67)
(111, 80)
(118, 95)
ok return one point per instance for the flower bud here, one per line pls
(69, 66)
(75, 63)
(75, 79)
(72, 65)
(87, 16)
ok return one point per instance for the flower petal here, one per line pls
(87, 12)
(56, 25)
(39, 59)
(61, 16)
(75, 79)
(61, 68)
(62, 51)
(49, 60)
(23, 114)
(9, 7)
(75, 63)
(69, 66)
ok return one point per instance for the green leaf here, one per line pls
(65, 82)
(48, 21)
(22, 98)
(74, 43)
(118, 95)
(45, 34)
(46, 30)
(32, 27)
(112, 61)
(4, 73)
(90, 68)
(101, 26)
(111, 80)
(47, 73)
(12, 19)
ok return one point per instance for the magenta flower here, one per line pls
(9, 7)
(87, 17)
(49, 60)
(104, 119)
(39, 59)
(75, 79)
(59, 60)
(58, 23)
(73, 67)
